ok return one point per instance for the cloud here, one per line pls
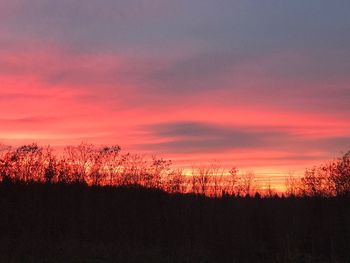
(194, 137)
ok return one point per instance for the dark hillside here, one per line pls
(78, 223)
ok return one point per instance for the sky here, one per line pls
(261, 85)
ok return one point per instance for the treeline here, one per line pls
(97, 204)
(108, 165)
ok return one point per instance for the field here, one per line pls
(78, 223)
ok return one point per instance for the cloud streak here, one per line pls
(194, 137)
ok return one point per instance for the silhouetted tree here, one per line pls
(111, 162)
(232, 181)
(80, 158)
(27, 162)
(246, 184)
(176, 182)
(340, 175)
(51, 167)
(292, 185)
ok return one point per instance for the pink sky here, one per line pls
(193, 83)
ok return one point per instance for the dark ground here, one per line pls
(76, 223)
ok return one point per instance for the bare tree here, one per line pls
(246, 184)
(314, 183)
(218, 175)
(80, 158)
(158, 171)
(291, 184)
(232, 181)
(110, 156)
(203, 178)
(175, 182)
(51, 166)
(340, 175)
(6, 164)
(134, 170)
(28, 163)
